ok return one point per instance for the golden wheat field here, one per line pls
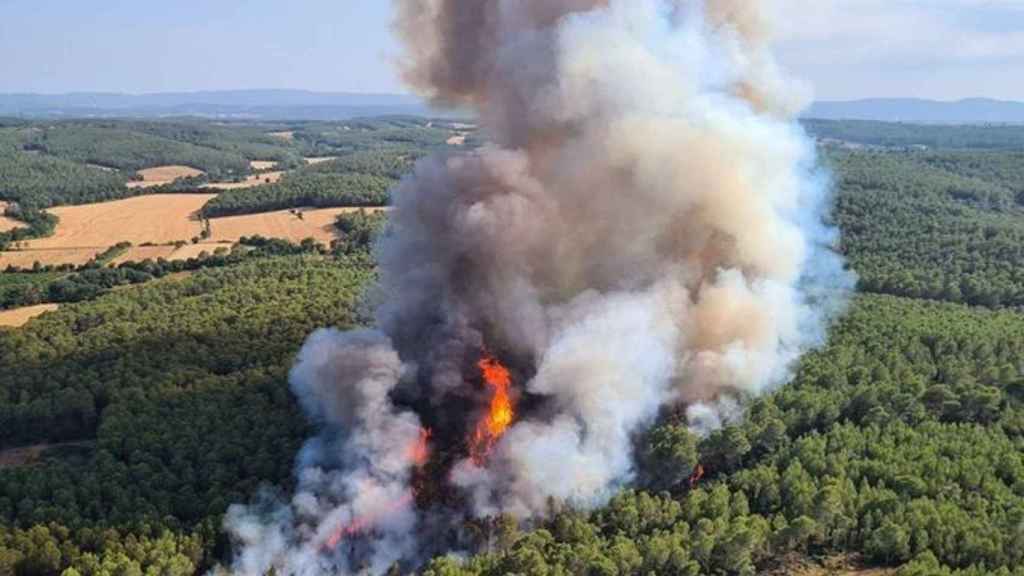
(84, 231)
(195, 250)
(160, 175)
(140, 253)
(317, 224)
(5, 222)
(249, 182)
(51, 256)
(20, 316)
(167, 252)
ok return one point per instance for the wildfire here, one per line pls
(697, 476)
(418, 454)
(360, 525)
(499, 416)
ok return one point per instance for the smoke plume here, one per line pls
(644, 229)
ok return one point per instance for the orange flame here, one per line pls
(418, 454)
(363, 524)
(697, 476)
(499, 416)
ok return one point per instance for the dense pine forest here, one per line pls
(157, 394)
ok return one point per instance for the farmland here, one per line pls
(20, 316)
(293, 225)
(5, 222)
(159, 185)
(895, 449)
(160, 175)
(86, 230)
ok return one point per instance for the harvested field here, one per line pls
(8, 223)
(261, 164)
(158, 218)
(317, 224)
(289, 135)
(194, 250)
(86, 230)
(249, 182)
(19, 317)
(456, 140)
(140, 253)
(161, 175)
(319, 159)
(52, 256)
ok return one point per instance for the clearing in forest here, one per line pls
(795, 565)
(86, 230)
(249, 182)
(167, 252)
(319, 159)
(294, 225)
(160, 175)
(19, 317)
(289, 135)
(26, 455)
(6, 223)
(262, 164)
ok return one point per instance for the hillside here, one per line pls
(914, 110)
(72, 189)
(251, 104)
(156, 396)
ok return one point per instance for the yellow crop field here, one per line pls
(287, 224)
(87, 230)
(161, 175)
(20, 316)
(7, 223)
(249, 182)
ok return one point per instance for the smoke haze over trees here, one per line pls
(136, 418)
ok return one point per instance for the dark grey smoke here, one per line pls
(646, 229)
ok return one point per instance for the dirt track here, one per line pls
(20, 316)
(23, 456)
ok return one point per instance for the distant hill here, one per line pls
(308, 105)
(911, 110)
(254, 104)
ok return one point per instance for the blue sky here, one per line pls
(844, 48)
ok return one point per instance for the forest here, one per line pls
(899, 444)
(937, 225)
(898, 135)
(326, 185)
(371, 158)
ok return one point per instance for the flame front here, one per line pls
(499, 415)
(418, 454)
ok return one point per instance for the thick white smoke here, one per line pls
(646, 228)
(356, 473)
